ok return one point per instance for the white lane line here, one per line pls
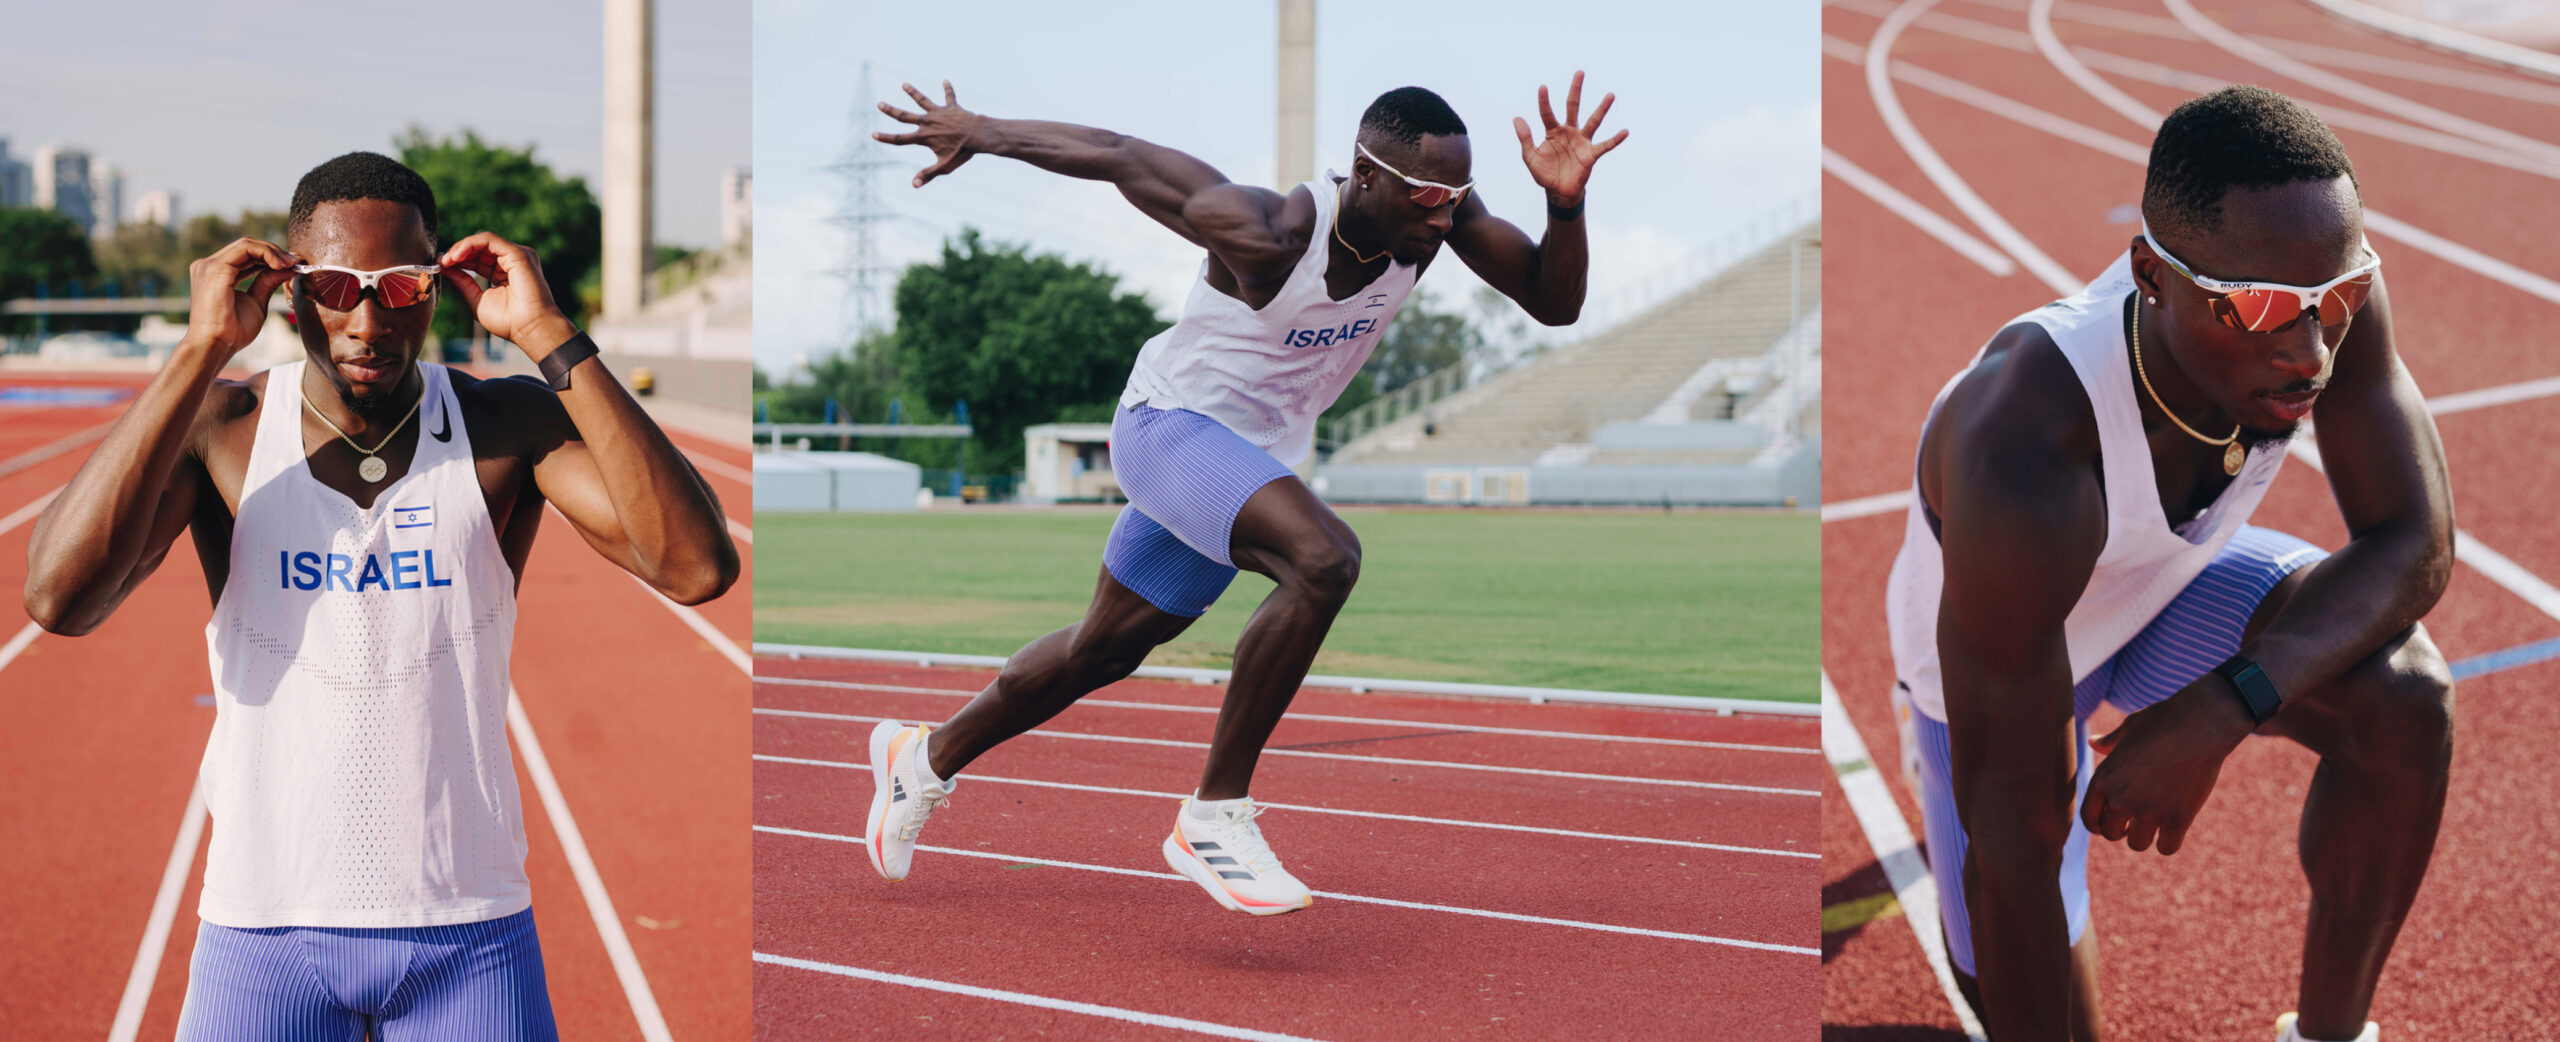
(1131, 1016)
(164, 913)
(1895, 848)
(1889, 105)
(1110, 703)
(2282, 64)
(730, 471)
(801, 761)
(617, 944)
(2040, 28)
(9, 652)
(2465, 401)
(1481, 913)
(743, 533)
(728, 649)
(27, 513)
(1866, 506)
(2445, 38)
(2376, 222)
(54, 448)
(2467, 548)
(1042, 732)
(1921, 217)
(2502, 84)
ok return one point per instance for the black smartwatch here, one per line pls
(2256, 691)
(1565, 213)
(556, 365)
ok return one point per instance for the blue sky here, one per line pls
(1723, 99)
(228, 104)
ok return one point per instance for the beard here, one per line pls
(373, 407)
(2253, 437)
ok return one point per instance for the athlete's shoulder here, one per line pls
(2017, 429)
(518, 409)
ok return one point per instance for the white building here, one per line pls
(62, 183)
(158, 206)
(1068, 462)
(106, 199)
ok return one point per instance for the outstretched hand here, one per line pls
(945, 128)
(1561, 164)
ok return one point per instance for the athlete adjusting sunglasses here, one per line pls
(340, 289)
(2265, 307)
(1425, 193)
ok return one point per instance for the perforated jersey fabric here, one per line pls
(358, 773)
(1268, 374)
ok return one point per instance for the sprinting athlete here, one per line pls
(363, 518)
(2081, 536)
(1293, 295)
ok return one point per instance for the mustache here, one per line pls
(2296, 387)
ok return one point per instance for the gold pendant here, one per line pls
(372, 469)
(2232, 456)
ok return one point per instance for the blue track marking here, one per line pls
(2510, 658)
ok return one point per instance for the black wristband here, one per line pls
(1564, 213)
(556, 365)
(2256, 691)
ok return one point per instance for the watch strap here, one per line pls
(1564, 213)
(2256, 691)
(556, 365)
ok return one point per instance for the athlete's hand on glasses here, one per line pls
(227, 293)
(2161, 764)
(945, 128)
(516, 304)
(1562, 163)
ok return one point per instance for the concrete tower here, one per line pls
(1297, 93)
(629, 144)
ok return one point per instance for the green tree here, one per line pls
(41, 248)
(482, 187)
(1022, 338)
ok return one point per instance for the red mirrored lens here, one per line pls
(335, 290)
(2260, 310)
(2343, 301)
(401, 289)
(1432, 195)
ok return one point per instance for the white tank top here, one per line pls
(2145, 563)
(1268, 374)
(358, 774)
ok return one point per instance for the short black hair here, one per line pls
(1404, 115)
(2237, 137)
(362, 175)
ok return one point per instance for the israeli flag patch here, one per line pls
(413, 517)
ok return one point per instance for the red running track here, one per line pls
(1026, 921)
(2203, 945)
(641, 719)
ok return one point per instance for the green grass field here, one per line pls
(1689, 603)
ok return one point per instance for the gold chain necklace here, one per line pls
(372, 469)
(2232, 453)
(1337, 232)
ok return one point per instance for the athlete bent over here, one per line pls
(2081, 536)
(363, 518)
(1293, 295)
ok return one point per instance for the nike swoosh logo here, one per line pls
(444, 419)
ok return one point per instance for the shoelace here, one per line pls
(1244, 839)
(927, 801)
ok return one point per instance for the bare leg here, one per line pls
(1049, 674)
(2384, 732)
(2085, 1020)
(1286, 533)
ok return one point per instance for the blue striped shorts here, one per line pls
(2198, 630)
(466, 981)
(1187, 477)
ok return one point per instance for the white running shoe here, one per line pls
(904, 792)
(2286, 1033)
(1228, 858)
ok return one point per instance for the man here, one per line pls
(1294, 292)
(2080, 536)
(363, 519)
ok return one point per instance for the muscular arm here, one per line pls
(1544, 277)
(2023, 519)
(2386, 470)
(599, 458)
(1237, 223)
(113, 524)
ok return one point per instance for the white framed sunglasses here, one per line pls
(1425, 193)
(2265, 307)
(340, 289)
